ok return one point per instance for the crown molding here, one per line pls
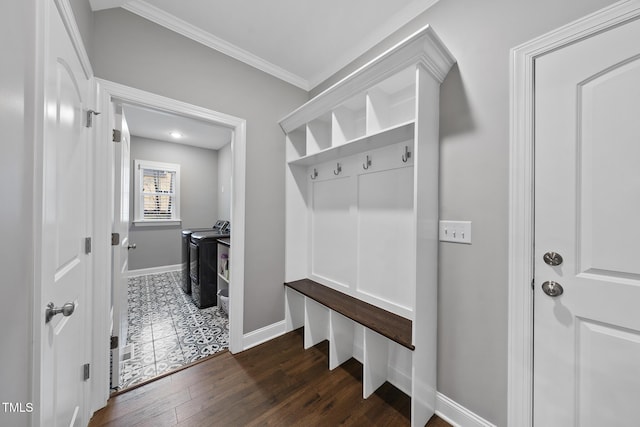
(160, 17)
(423, 47)
(97, 5)
(376, 36)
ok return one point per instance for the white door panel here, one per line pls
(587, 199)
(609, 163)
(120, 225)
(64, 271)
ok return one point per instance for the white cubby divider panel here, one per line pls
(349, 121)
(319, 134)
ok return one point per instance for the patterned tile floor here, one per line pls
(166, 329)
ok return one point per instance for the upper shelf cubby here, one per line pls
(392, 135)
(392, 101)
(381, 95)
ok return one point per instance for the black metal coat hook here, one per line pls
(366, 164)
(338, 170)
(314, 175)
(406, 155)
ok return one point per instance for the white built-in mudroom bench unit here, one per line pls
(362, 219)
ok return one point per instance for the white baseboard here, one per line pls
(457, 415)
(265, 334)
(154, 270)
(402, 380)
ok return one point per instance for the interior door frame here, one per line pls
(108, 92)
(521, 196)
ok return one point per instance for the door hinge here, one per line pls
(90, 114)
(114, 342)
(117, 135)
(87, 371)
(115, 239)
(87, 245)
(533, 284)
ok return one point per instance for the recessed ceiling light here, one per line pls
(175, 134)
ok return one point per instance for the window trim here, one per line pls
(138, 218)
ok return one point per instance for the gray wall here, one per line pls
(474, 164)
(163, 62)
(84, 18)
(160, 246)
(17, 29)
(224, 183)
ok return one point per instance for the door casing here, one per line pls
(521, 191)
(108, 92)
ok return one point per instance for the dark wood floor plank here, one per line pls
(275, 384)
(388, 324)
(164, 419)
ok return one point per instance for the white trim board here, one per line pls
(521, 236)
(154, 270)
(264, 334)
(456, 414)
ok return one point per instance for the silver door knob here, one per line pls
(552, 258)
(66, 310)
(553, 289)
(131, 246)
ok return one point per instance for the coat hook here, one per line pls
(406, 154)
(337, 171)
(314, 175)
(366, 164)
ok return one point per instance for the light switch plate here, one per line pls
(455, 231)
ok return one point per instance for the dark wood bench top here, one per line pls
(388, 324)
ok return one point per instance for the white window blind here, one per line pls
(157, 192)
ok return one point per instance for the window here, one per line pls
(157, 193)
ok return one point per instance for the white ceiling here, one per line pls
(158, 125)
(300, 41)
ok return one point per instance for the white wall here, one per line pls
(224, 183)
(161, 245)
(163, 62)
(17, 35)
(474, 153)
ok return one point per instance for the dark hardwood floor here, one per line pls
(277, 383)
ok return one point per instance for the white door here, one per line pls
(587, 210)
(65, 263)
(120, 225)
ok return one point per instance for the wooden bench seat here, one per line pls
(387, 324)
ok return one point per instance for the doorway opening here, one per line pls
(172, 177)
(165, 284)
